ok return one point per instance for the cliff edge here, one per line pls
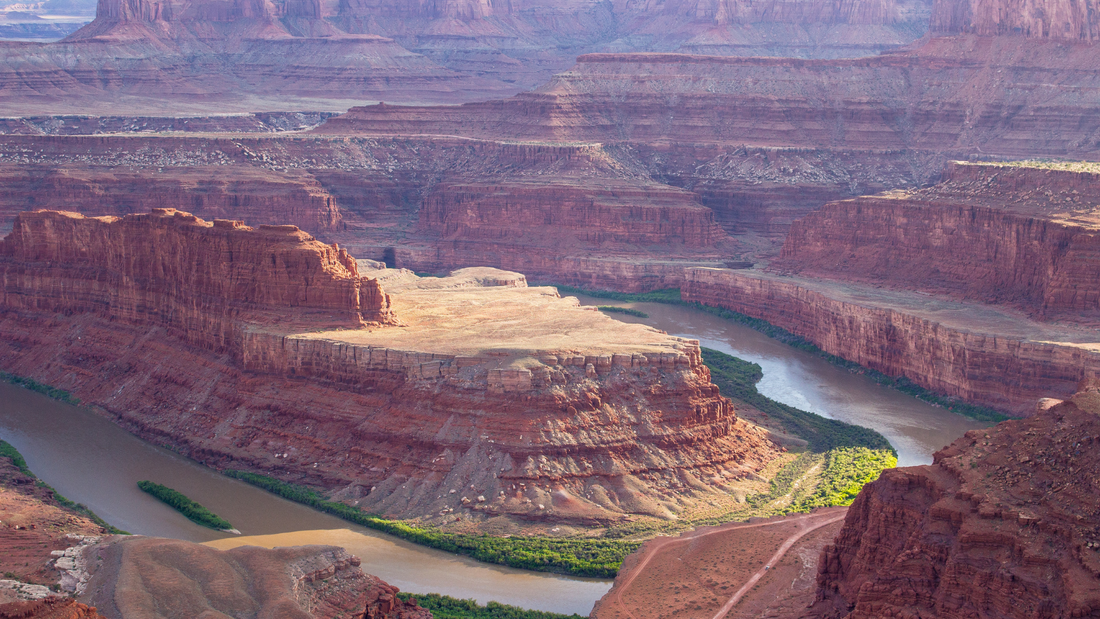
(1004, 523)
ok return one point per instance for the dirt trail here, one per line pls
(775, 559)
(815, 521)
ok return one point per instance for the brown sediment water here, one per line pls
(804, 380)
(90, 460)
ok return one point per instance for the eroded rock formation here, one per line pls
(171, 269)
(247, 351)
(254, 194)
(1002, 524)
(1026, 236)
(144, 577)
(975, 352)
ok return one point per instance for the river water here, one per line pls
(92, 461)
(806, 381)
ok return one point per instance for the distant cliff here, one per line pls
(1025, 236)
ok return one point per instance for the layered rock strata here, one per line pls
(254, 194)
(429, 204)
(978, 353)
(170, 269)
(499, 400)
(1018, 235)
(145, 577)
(233, 55)
(918, 100)
(1002, 524)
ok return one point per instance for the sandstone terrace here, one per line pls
(581, 432)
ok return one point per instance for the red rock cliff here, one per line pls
(171, 269)
(1002, 524)
(999, 234)
(245, 349)
(1072, 20)
(977, 353)
(252, 194)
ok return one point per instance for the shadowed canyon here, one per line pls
(330, 250)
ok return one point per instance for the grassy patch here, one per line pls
(34, 385)
(578, 557)
(178, 501)
(7, 450)
(847, 470)
(446, 607)
(672, 296)
(611, 309)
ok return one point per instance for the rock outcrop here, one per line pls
(170, 269)
(248, 350)
(145, 577)
(54, 607)
(253, 194)
(1057, 19)
(1025, 235)
(1002, 524)
(975, 352)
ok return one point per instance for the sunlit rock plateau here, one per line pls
(469, 396)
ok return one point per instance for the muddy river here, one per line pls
(92, 461)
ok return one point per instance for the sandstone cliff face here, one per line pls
(1002, 524)
(141, 577)
(922, 100)
(1060, 19)
(251, 194)
(1022, 236)
(174, 270)
(968, 351)
(466, 411)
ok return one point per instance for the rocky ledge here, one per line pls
(1002, 524)
(142, 576)
(465, 397)
(1022, 234)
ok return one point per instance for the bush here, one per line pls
(595, 558)
(847, 470)
(622, 310)
(177, 500)
(33, 385)
(446, 607)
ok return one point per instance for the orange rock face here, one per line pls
(1002, 524)
(174, 270)
(1021, 236)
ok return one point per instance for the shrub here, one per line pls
(178, 501)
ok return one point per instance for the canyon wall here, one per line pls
(174, 270)
(975, 353)
(1057, 19)
(247, 351)
(919, 101)
(1002, 524)
(1024, 236)
(252, 194)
